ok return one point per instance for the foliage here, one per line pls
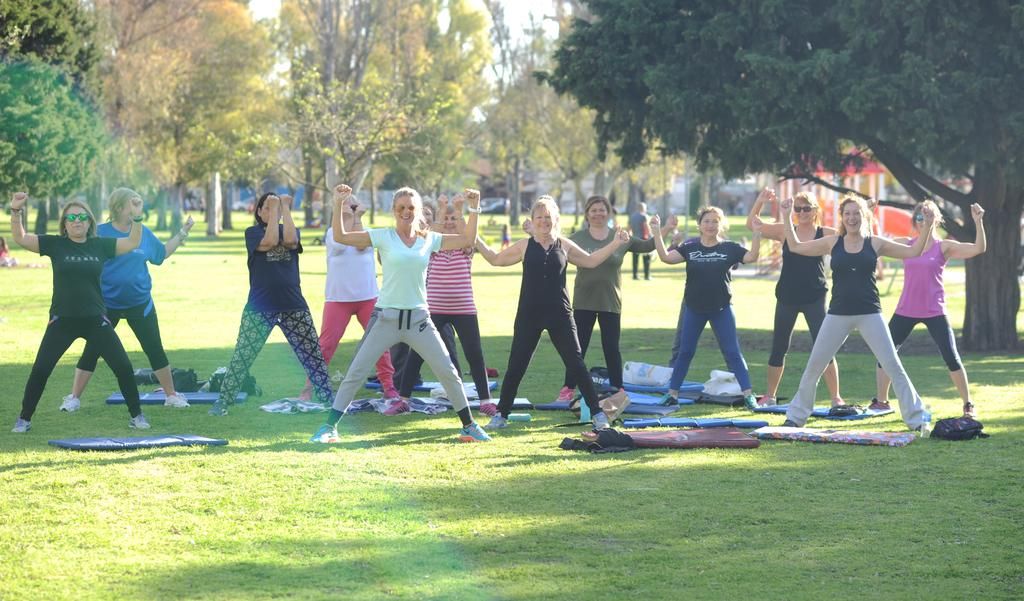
(928, 89)
(57, 32)
(50, 137)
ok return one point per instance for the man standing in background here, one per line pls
(639, 228)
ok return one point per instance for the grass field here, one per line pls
(400, 510)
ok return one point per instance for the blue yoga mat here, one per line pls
(136, 442)
(687, 386)
(822, 412)
(640, 404)
(158, 398)
(699, 422)
(425, 386)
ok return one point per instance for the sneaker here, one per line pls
(601, 421)
(497, 422)
(669, 400)
(767, 401)
(473, 433)
(396, 408)
(488, 408)
(21, 425)
(218, 409)
(789, 424)
(565, 395)
(877, 405)
(391, 395)
(750, 401)
(327, 434)
(138, 422)
(176, 400)
(71, 404)
(969, 410)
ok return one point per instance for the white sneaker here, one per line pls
(71, 404)
(138, 422)
(176, 400)
(22, 426)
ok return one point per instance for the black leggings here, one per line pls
(468, 329)
(785, 320)
(938, 326)
(147, 330)
(61, 332)
(611, 330)
(526, 334)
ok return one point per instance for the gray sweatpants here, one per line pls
(388, 327)
(833, 333)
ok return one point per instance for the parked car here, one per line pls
(494, 206)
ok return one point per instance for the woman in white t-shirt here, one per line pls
(351, 292)
(401, 313)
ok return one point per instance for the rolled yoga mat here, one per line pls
(136, 442)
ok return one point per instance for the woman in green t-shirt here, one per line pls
(77, 309)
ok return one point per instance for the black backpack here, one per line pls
(958, 428)
(185, 380)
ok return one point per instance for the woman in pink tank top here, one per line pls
(924, 301)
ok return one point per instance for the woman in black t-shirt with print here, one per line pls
(801, 289)
(708, 295)
(77, 309)
(855, 304)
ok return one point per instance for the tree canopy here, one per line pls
(929, 88)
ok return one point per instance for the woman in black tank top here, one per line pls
(854, 305)
(801, 289)
(544, 305)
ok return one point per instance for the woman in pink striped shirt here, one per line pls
(450, 298)
(924, 300)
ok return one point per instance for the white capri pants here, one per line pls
(833, 333)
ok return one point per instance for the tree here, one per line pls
(56, 32)
(928, 89)
(50, 137)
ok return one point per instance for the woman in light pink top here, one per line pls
(924, 301)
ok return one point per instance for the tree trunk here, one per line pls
(577, 187)
(513, 191)
(161, 209)
(307, 189)
(373, 196)
(42, 208)
(177, 202)
(231, 195)
(993, 291)
(213, 205)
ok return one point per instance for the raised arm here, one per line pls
(290, 236)
(755, 243)
(772, 231)
(889, 248)
(467, 237)
(344, 203)
(952, 249)
(127, 245)
(812, 248)
(271, 238)
(18, 234)
(668, 257)
(510, 256)
(178, 239)
(581, 258)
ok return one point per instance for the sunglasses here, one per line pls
(73, 217)
(803, 209)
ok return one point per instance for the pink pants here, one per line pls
(336, 318)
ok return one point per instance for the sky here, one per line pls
(516, 11)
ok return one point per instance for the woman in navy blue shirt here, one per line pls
(708, 295)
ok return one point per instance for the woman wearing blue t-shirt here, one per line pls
(275, 299)
(127, 292)
(401, 313)
(708, 295)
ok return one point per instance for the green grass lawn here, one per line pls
(400, 510)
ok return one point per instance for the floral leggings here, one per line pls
(301, 334)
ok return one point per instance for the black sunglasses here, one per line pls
(803, 209)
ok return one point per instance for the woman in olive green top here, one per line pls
(597, 294)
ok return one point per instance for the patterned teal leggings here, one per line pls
(301, 334)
